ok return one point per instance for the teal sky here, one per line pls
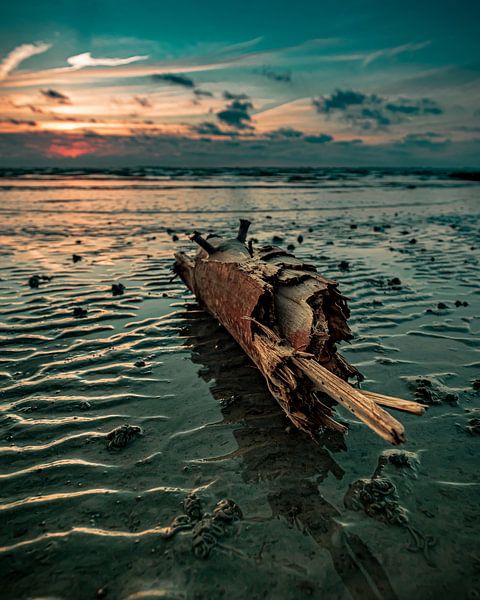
(190, 83)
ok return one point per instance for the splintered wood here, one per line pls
(288, 319)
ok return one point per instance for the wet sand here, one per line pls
(80, 519)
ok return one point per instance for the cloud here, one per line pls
(31, 108)
(468, 128)
(370, 111)
(81, 61)
(19, 122)
(389, 52)
(339, 100)
(56, 96)
(283, 77)
(174, 79)
(323, 138)
(425, 106)
(143, 101)
(231, 96)
(428, 139)
(283, 133)
(288, 133)
(208, 128)
(72, 119)
(19, 54)
(199, 93)
(27, 148)
(369, 116)
(236, 114)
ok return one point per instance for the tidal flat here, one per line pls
(96, 334)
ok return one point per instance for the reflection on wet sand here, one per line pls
(272, 451)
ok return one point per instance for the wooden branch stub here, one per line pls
(243, 230)
(202, 242)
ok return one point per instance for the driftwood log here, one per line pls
(288, 319)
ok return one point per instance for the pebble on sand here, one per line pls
(36, 280)
(394, 282)
(79, 312)
(117, 289)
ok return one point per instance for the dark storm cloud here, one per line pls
(323, 138)
(19, 122)
(428, 139)
(173, 79)
(207, 128)
(339, 100)
(236, 114)
(56, 96)
(205, 93)
(370, 111)
(231, 96)
(282, 77)
(284, 132)
(288, 133)
(143, 101)
(375, 115)
(425, 106)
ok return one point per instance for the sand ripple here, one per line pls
(76, 511)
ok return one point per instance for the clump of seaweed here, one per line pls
(192, 507)
(121, 436)
(207, 528)
(378, 498)
(228, 511)
(431, 392)
(206, 535)
(401, 459)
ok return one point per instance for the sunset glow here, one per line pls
(391, 94)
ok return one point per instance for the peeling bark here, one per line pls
(288, 319)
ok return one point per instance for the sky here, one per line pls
(215, 83)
